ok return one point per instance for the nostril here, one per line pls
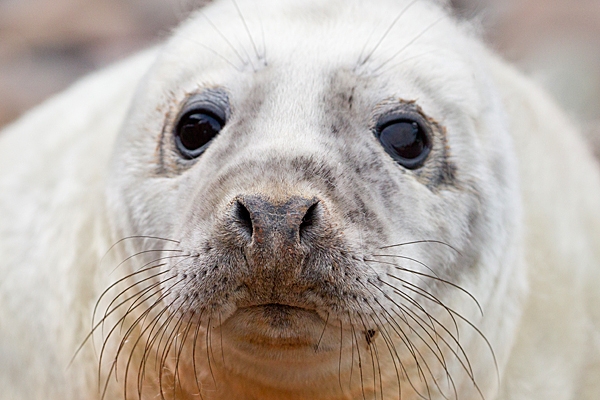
(310, 218)
(243, 218)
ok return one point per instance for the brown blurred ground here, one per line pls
(46, 44)
(557, 43)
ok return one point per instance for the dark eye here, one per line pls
(406, 140)
(195, 129)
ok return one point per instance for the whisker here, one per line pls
(388, 30)
(183, 340)
(420, 242)
(120, 321)
(154, 285)
(404, 60)
(476, 329)
(444, 281)
(404, 309)
(439, 354)
(94, 327)
(175, 315)
(221, 338)
(362, 383)
(143, 316)
(136, 237)
(405, 339)
(372, 357)
(224, 38)
(247, 30)
(431, 318)
(196, 333)
(391, 348)
(207, 340)
(414, 287)
(437, 21)
(373, 350)
(154, 323)
(409, 259)
(340, 359)
(102, 352)
(114, 300)
(144, 252)
(415, 353)
(222, 57)
(322, 333)
(466, 365)
(151, 326)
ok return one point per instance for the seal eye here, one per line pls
(406, 141)
(195, 130)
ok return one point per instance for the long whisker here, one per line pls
(405, 60)
(183, 341)
(322, 333)
(391, 348)
(196, 333)
(362, 382)
(412, 349)
(151, 338)
(216, 29)
(120, 321)
(340, 359)
(175, 315)
(475, 328)
(94, 327)
(247, 30)
(103, 350)
(413, 287)
(437, 21)
(444, 281)
(216, 53)
(420, 242)
(145, 252)
(433, 319)
(151, 326)
(466, 363)
(407, 311)
(370, 348)
(139, 271)
(136, 237)
(437, 354)
(385, 34)
(409, 259)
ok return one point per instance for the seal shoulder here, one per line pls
(53, 160)
(560, 187)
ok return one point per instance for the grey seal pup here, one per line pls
(301, 199)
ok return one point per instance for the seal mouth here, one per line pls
(275, 324)
(278, 311)
(279, 315)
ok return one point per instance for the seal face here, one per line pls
(328, 212)
(305, 200)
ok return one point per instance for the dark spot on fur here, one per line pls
(370, 335)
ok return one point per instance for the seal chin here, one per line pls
(274, 326)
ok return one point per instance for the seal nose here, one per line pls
(275, 226)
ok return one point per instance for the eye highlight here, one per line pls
(195, 130)
(406, 140)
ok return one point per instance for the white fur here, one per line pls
(66, 181)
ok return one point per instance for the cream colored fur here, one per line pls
(66, 182)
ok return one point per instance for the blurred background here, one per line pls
(47, 44)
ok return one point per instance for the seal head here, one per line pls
(334, 201)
